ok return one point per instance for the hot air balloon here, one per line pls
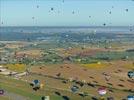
(41, 86)
(36, 82)
(72, 12)
(126, 10)
(1, 92)
(32, 17)
(130, 97)
(130, 74)
(37, 6)
(102, 91)
(74, 88)
(104, 24)
(52, 9)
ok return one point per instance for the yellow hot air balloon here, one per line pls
(41, 86)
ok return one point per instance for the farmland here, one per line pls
(62, 60)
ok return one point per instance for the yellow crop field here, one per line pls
(16, 67)
(95, 65)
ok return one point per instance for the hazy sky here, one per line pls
(26, 12)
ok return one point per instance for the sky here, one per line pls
(67, 13)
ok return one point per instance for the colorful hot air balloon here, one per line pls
(130, 97)
(102, 90)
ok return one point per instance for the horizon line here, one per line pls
(74, 26)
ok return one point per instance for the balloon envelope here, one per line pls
(74, 88)
(102, 91)
(130, 98)
(1, 92)
(36, 82)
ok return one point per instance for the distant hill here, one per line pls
(34, 33)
